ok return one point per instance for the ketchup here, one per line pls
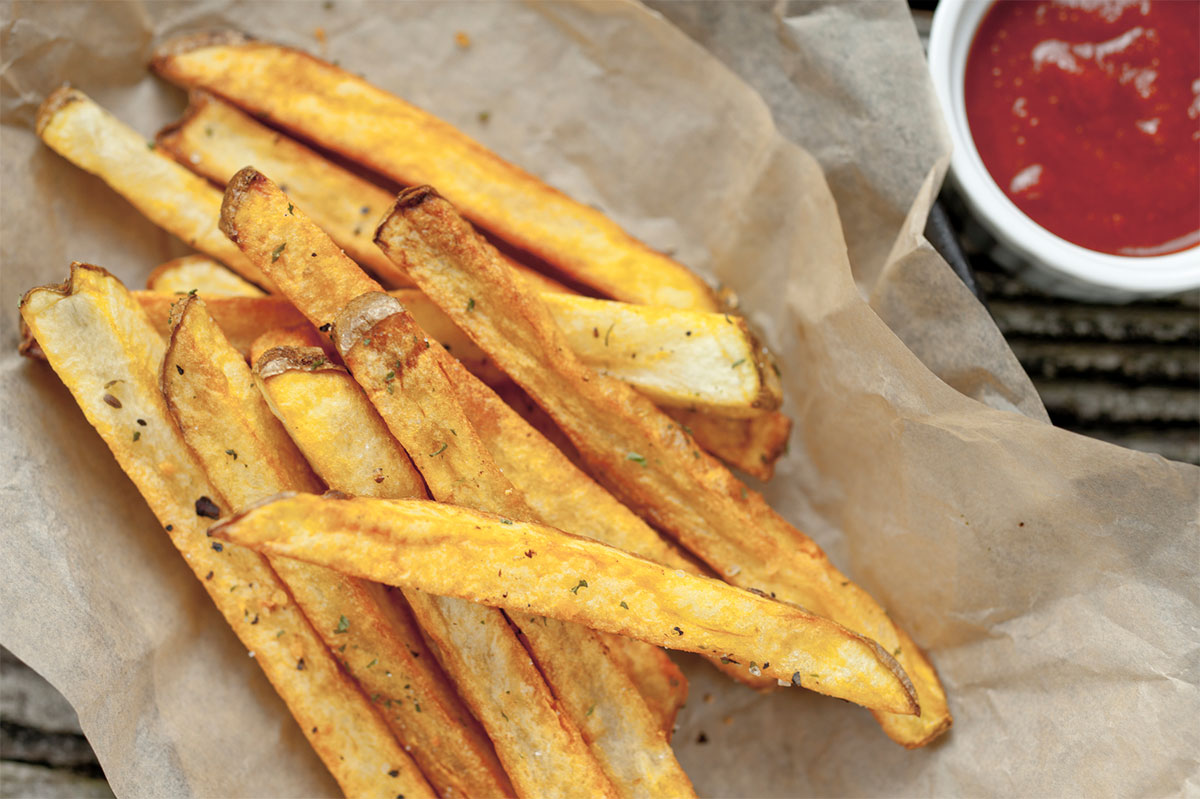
(1087, 115)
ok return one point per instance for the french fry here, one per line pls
(167, 194)
(193, 273)
(249, 456)
(648, 460)
(320, 280)
(674, 378)
(678, 358)
(453, 551)
(341, 112)
(215, 140)
(107, 355)
(345, 440)
(752, 444)
(381, 344)
(659, 680)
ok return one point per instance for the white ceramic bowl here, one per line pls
(1049, 261)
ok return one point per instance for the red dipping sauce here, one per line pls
(1087, 115)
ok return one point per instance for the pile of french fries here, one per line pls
(454, 509)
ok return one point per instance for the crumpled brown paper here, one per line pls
(1053, 578)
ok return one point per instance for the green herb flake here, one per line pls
(343, 625)
(232, 453)
(509, 521)
(636, 458)
(470, 305)
(149, 145)
(439, 451)
(484, 116)
(279, 634)
(317, 364)
(582, 584)
(591, 710)
(624, 605)
(373, 662)
(608, 333)
(278, 251)
(137, 434)
(289, 208)
(737, 363)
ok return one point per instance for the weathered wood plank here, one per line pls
(38, 782)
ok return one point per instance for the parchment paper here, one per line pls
(1052, 577)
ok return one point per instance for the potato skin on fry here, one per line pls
(454, 551)
(97, 340)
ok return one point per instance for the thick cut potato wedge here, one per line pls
(752, 444)
(195, 273)
(675, 379)
(167, 194)
(644, 456)
(100, 344)
(248, 456)
(341, 112)
(533, 570)
(215, 139)
(316, 277)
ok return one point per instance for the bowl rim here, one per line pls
(953, 31)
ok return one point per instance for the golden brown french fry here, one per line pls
(648, 460)
(215, 139)
(196, 273)
(454, 551)
(345, 440)
(316, 277)
(248, 456)
(672, 378)
(100, 344)
(752, 444)
(166, 193)
(341, 112)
